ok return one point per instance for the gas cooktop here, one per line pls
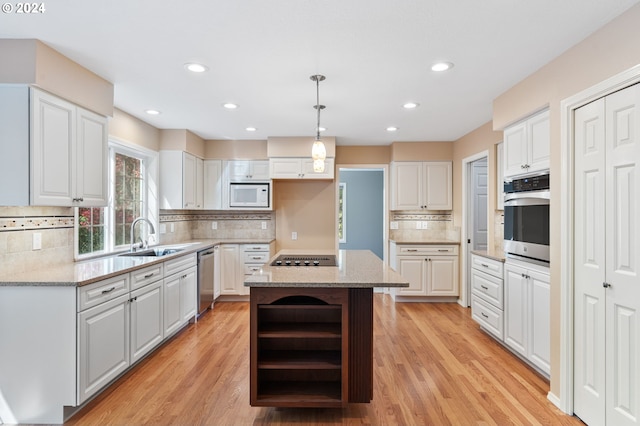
(305, 260)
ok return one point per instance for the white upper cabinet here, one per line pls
(526, 145)
(421, 185)
(181, 181)
(213, 184)
(299, 168)
(247, 170)
(55, 152)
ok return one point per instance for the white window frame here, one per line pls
(150, 161)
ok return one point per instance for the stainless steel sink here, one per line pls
(154, 252)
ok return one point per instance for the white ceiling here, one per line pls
(376, 55)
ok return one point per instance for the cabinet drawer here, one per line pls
(428, 250)
(255, 257)
(487, 287)
(180, 263)
(489, 317)
(487, 265)
(250, 269)
(255, 247)
(102, 291)
(144, 276)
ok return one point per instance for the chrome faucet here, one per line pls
(143, 244)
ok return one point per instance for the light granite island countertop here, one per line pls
(312, 330)
(356, 269)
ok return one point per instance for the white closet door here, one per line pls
(622, 257)
(589, 264)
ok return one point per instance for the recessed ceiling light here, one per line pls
(194, 67)
(251, 129)
(410, 105)
(391, 129)
(230, 106)
(441, 66)
(152, 112)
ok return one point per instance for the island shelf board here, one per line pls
(312, 354)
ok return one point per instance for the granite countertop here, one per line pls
(93, 270)
(356, 269)
(490, 254)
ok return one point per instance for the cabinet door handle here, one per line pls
(484, 315)
(184, 276)
(443, 250)
(485, 265)
(484, 287)
(149, 275)
(606, 285)
(257, 257)
(108, 291)
(412, 250)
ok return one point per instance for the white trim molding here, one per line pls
(464, 299)
(567, 107)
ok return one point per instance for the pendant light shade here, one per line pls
(318, 150)
(318, 166)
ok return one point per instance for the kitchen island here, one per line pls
(312, 330)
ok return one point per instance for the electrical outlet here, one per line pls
(163, 228)
(425, 225)
(264, 225)
(37, 241)
(172, 227)
(418, 225)
(294, 235)
(214, 225)
(394, 225)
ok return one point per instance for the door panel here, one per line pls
(623, 242)
(589, 263)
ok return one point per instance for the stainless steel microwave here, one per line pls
(526, 217)
(249, 195)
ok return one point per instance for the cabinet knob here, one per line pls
(606, 285)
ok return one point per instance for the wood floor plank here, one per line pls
(432, 366)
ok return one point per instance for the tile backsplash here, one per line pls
(431, 225)
(18, 225)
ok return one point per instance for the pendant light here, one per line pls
(318, 150)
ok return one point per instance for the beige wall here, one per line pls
(131, 129)
(481, 139)
(363, 154)
(609, 51)
(30, 61)
(421, 151)
(308, 208)
(182, 140)
(298, 146)
(230, 149)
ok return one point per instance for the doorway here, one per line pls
(475, 211)
(361, 212)
(571, 255)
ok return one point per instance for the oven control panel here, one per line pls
(533, 183)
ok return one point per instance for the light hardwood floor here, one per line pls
(432, 366)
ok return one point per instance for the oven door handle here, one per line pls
(515, 202)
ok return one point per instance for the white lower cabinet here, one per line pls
(103, 345)
(527, 310)
(487, 294)
(123, 318)
(146, 319)
(432, 270)
(180, 293)
(230, 270)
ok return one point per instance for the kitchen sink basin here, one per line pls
(154, 252)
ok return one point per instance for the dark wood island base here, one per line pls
(311, 347)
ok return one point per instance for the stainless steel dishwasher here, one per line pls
(206, 263)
